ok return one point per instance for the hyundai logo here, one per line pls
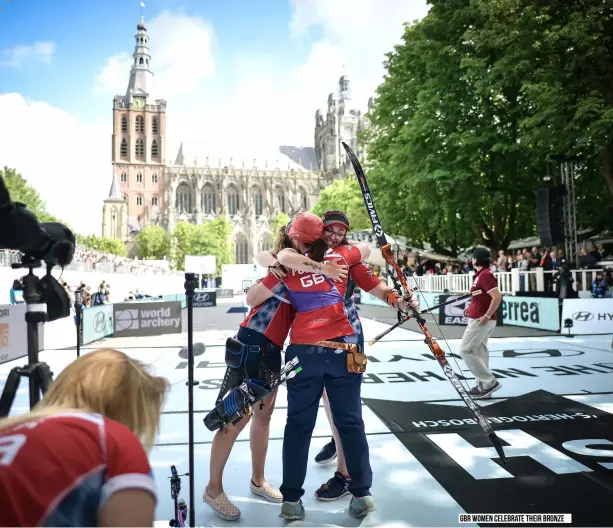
(201, 297)
(99, 322)
(583, 316)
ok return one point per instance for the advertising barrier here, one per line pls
(97, 323)
(205, 299)
(542, 313)
(589, 316)
(225, 293)
(425, 299)
(13, 333)
(147, 319)
(453, 314)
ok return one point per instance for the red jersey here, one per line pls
(479, 304)
(60, 470)
(363, 276)
(273, 317)
(319, 301)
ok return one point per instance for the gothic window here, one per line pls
(183, 203)
(258, 203)
(242, 249)
(154, 149)
(124, 148)
(124, 123)
(207, 199)
(140, 61)
(265, 242)
(232, 193)
(113, 222)
(124, 177)
(154, 125)
(154, 200)
(139, 200)
(140, 148)
(139, 178)
(304, 200)
(140, 124)
(281, 200)
(154, 178)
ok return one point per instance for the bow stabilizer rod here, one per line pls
(400, 283)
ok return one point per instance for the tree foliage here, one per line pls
(104, 245)
(279, 220)
(344, 195)
(209, 238)
(21, 191)
(475, 100)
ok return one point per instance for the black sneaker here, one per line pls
(327, 453)
(485, 393)
(336, 488)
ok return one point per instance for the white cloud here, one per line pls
(182, 58)
(261, 107)
(247, 116)
(68, 162)
(23, 55)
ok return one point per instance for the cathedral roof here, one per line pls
(115, 193)
(195, 154)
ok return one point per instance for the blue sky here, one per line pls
(86, 33)
(240, 78)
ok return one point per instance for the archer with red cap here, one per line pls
(326, 344)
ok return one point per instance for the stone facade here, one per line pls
(146, 189)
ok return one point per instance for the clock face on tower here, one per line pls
(139, 103)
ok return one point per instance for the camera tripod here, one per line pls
(39, 374)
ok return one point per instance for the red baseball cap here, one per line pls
(306, 228)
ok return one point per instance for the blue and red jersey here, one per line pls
(60, 470)
(273, 317)
(319, 301)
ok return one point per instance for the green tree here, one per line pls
(278, 220)
(463, 126)
(153, 243)
(21, 191)
(106, 245)
(345, 195)
(210, 238)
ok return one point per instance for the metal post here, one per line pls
(568, 171)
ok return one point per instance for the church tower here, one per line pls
(340, 122)
(115, 214)
(138, 142)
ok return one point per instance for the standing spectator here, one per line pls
(586, 260)
(502, 261)
(595, 253)
(16, 292)
(481, 314)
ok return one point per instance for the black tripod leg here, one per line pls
(10, 389)
(44, 376)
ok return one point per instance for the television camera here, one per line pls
(45, 298)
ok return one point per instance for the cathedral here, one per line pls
(152, 187)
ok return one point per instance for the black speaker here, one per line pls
(550, 215)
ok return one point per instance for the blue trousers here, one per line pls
(323, 367)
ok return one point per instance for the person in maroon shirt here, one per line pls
(481, 314)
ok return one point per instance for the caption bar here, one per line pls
(516, 518)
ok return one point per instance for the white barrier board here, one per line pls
(589, 316)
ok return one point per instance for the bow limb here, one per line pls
(400, 282)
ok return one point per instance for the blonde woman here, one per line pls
(79, 458)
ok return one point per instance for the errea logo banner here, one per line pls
(147, 319)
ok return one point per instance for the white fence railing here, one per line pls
(509, 282)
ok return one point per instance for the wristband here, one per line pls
(391, 297)
(488, 316)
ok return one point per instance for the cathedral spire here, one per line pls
(141, 77)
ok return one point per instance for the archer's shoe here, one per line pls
(486, 392)
(336, 488)
(292, 511)
(362, 506)
(327, 453)
(267, 492)
(222, 506)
